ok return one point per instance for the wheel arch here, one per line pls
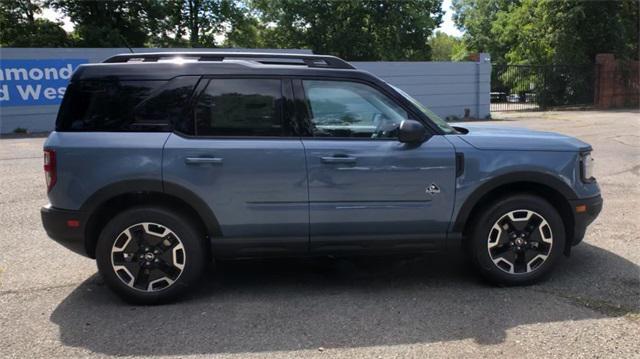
(552, 189)
(101, 206)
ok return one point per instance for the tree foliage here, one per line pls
(19, 26)
(106, 23)
(446, 47)
(549, 31)
(352, 29)
(192, 23)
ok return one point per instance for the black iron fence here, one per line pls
(530, 88)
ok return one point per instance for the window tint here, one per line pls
(167, 107)
(102, 105)
(349, 109)
(240, 107)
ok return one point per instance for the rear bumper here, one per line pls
(584, 219)
(55, 222)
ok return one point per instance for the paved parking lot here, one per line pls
(52, 303)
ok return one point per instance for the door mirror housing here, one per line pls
(411, 131)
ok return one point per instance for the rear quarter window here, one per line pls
(113, 105)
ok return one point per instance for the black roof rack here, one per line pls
(264, 58)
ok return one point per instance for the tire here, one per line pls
(151, 255)
(516, 240)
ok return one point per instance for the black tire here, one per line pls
(183, 256)
(486, 244)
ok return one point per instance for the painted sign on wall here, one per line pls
(35, 82)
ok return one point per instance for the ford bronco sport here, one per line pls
(162, 162)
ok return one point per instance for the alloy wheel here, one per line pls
(520, 241)
(148, 257)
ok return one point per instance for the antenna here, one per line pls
(125, 42)
(121, 37)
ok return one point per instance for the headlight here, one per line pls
(587, 167)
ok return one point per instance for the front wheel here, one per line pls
(150, 255)
(517, 240)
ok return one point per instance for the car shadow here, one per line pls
(258, 306)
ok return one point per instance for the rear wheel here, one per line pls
(150, 255)
(517, 240)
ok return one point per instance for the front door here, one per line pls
(367, 190)
(244, 160)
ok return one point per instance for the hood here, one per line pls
(490, 137)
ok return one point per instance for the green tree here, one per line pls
(351, 29)
(568, 32)
(549, 31)
(476, 19)
(106, 23)
(161, 23)
(444, 47)
(19, 26)
(193, 23)
(247, 32)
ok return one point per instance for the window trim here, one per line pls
(301, 97)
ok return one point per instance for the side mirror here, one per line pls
(411, 131)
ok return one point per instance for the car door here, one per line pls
(240, 154)
(367, 190)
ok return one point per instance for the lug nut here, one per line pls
(156, 251)
(156, 260)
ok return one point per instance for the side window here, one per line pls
(167, 107)
(240, 107)
(351, 109)
(102, 105)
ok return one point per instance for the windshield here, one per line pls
(442, 124)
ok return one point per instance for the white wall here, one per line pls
(447, 88)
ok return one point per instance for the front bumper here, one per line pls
(56, 224)
(582, 219)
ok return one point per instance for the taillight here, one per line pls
(50, 168)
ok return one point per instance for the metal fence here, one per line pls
(530, 88)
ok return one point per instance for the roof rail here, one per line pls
(323, 61)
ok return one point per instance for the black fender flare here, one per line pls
(179, 192)
(539, 178)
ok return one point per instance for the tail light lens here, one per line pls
(50, 168)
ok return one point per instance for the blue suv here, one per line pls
(163, 162)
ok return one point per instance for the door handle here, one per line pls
(202, 160)
(338, 159)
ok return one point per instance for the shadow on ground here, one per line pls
(305, 304)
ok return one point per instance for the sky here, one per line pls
(447, 25)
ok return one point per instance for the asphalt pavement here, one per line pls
(53, 304)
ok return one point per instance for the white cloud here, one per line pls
(53, 15)
(448, 26)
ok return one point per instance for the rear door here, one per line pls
(242, 156)
(367, 190)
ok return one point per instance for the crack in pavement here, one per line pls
(609, 309)
(36, 289)
(635, 170)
